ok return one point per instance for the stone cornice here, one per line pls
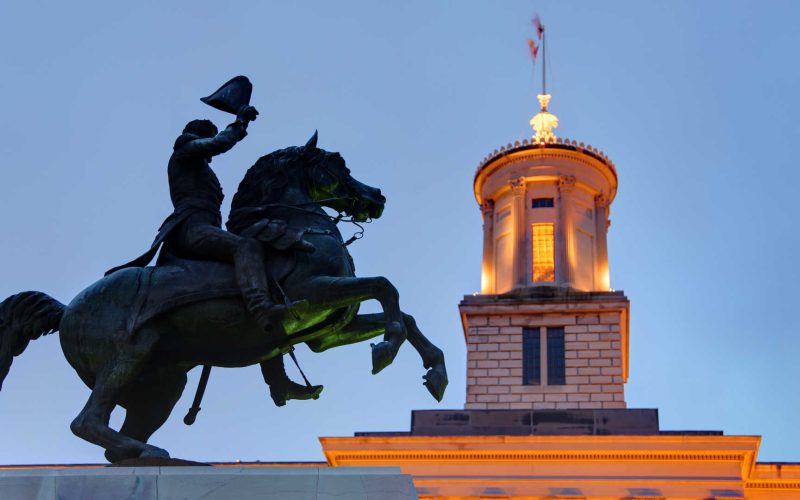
(564, 149)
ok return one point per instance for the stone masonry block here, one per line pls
(497, 389)
(498, 372)
(475, 406)
(609, 318)
(532, 398)
(576, 329)
(499, 320)
(578, 397)
(576, 363)
(499, 355)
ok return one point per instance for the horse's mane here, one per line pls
(267, 179)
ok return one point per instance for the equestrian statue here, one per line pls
(279, 275)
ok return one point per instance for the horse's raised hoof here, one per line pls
(383, 354)
(436, 382)
(153, 451)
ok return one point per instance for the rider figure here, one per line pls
(194, 231)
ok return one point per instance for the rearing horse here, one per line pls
(133, 335)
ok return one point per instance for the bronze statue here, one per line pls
(133, 335)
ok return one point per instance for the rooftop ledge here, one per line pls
(562, 144)
(554, 294)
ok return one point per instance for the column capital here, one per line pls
(566, 182)
(601, 201)
(517, 186)
(487, 207)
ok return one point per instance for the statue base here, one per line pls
(208, 482)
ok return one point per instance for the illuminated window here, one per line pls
(544, 268)
(542, 203)
(543, 359)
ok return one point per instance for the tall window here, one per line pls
(544, 266)
(531, 357)
(543, 360)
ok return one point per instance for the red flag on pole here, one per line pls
(537, 23)
(534, 49)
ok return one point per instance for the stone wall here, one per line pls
(593, 352)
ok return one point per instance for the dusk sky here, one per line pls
(696, 103)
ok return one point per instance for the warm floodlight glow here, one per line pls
(544, 122)
(543, 239)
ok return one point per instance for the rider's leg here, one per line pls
(281, 388)
(247, 256)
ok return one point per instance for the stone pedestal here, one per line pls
(209, 483)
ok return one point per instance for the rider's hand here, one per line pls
(247, 114)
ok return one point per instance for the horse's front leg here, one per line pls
(367, 326)
(329, 292)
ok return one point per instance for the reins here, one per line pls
(341, 217)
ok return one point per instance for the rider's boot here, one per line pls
(252, 280)
(281, 388)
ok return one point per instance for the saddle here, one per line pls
(177, 282)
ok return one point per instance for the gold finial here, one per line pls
(544, 122)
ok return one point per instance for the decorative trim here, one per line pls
(579, 147)
(493, 456)
(566, 182)
(518, 186)
(773, 485)
(487, 207)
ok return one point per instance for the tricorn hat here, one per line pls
(234, 94)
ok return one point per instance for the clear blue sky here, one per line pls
(695, 102)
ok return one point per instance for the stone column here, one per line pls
(487, 269)
(519, 271)
(602, 281)
(564, 230)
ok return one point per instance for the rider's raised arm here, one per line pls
(218, 144)
(224, 140)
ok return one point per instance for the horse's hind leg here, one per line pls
(149, 403)
(91, 423)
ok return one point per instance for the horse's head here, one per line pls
(330, 184)
(292, 176)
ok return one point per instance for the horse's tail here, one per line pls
(24, 317)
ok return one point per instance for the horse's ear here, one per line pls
(312, 143)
